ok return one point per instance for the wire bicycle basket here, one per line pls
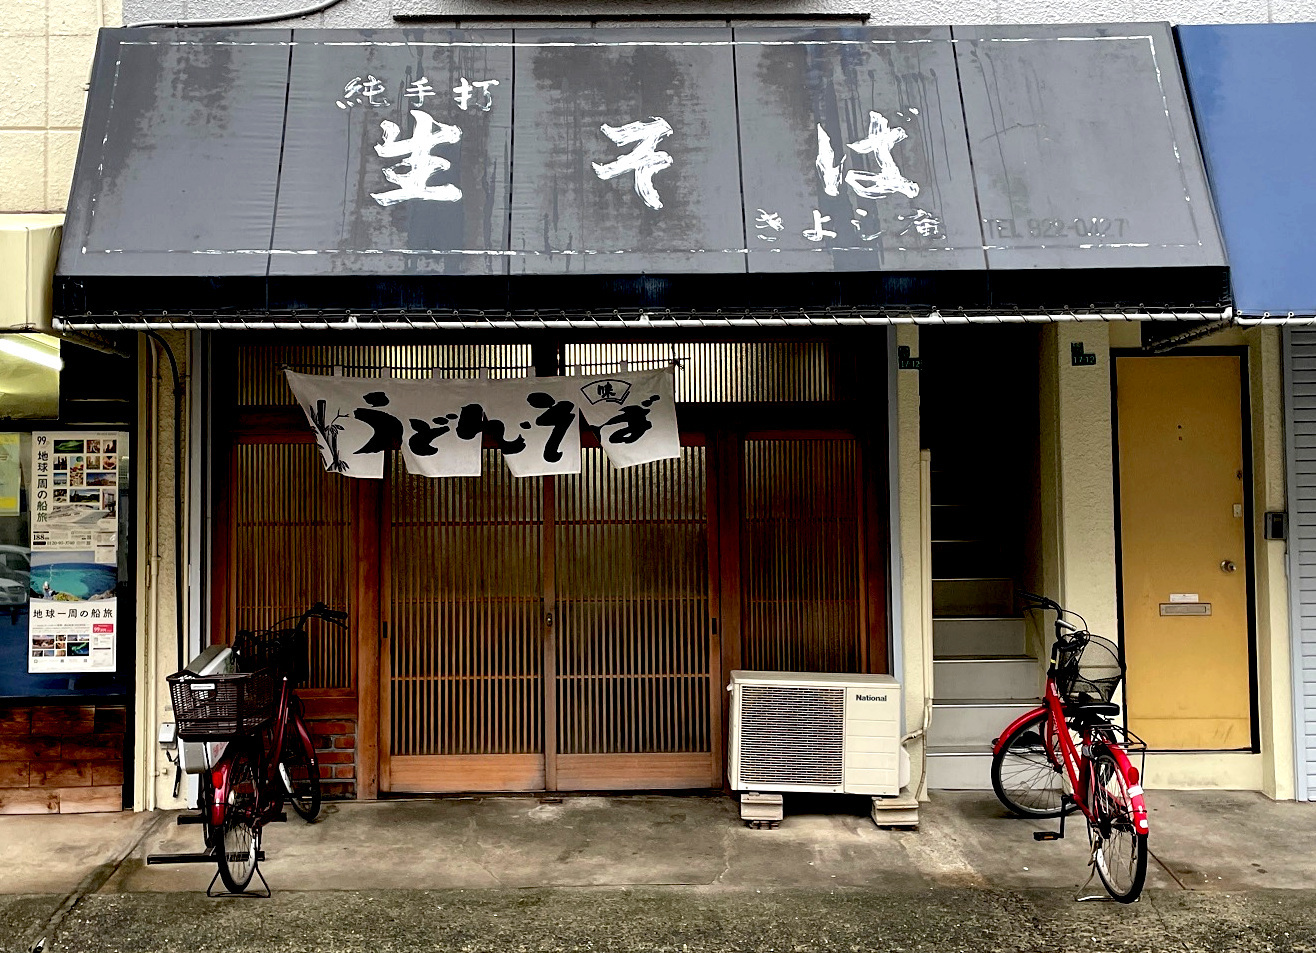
(222, 706)
(281, 650)
(1089, 670)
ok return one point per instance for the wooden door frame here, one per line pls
(1241, 354)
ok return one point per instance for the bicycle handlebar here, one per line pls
(322, 611)
(1036, 601)
(317, 611)
(1040, 601)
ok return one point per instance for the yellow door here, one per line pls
(1183, 551)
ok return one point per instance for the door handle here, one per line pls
(1227, 565)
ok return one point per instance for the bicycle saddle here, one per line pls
(1106, 709)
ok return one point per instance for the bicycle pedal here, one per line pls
(1046, 835)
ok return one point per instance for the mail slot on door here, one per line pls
(1185, 608)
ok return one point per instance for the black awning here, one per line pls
(396, 171)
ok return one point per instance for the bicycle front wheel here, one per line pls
(1120, 849)
(239, 840)
(1027, 774)
(301, 774)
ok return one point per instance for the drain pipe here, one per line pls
(925, 615)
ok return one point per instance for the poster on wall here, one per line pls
(11, 473)
(73, 621)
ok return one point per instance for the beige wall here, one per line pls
(1275, 698)
(915, 561)
(46, 49)
(1084, 550)
(156, 624)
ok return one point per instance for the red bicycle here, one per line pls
(266, 753)
(1067, 755)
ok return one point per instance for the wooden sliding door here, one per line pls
(633, 632)
(463, 636)
(550, 634)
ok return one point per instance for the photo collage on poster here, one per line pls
(75, 538)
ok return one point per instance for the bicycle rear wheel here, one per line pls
(239, 837)
(1120, 849)
(301, 774)
(1027, 774)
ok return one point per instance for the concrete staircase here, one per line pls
(978, 417)
(983, 678)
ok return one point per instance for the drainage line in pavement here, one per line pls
(89, 885)
(1166, 867)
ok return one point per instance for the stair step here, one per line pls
(1013, 677)
(973, 722)
(959, 768)
(971, 558)
(964, 521)
(978, 636)
(972, 597)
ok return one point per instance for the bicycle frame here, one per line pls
(269, 799)
(1075, 765)
(221, 779)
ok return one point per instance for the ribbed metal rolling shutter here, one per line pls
(1300, 421)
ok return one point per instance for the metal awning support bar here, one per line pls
(1278, 320)
(631, 320)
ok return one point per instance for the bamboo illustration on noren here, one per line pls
(329, 431)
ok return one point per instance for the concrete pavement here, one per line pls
(657, 872)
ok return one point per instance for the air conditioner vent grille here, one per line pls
(791, 734)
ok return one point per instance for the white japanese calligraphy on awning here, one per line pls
(440, 426)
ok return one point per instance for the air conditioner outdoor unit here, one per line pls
(796, 731)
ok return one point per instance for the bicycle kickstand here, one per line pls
(1065, 801)
(254, 894)
(1092, 872)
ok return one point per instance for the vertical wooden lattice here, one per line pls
(261, 382)
(722, 371)
(292, 547)
(802, 570)
(466, 613)
(631, 553)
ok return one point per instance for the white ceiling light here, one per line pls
(17, 347)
